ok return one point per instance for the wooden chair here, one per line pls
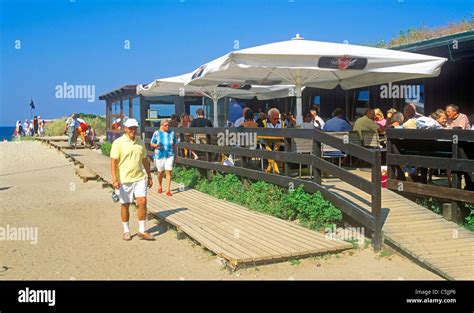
(328, 152)
(300, 145)
(370, 139)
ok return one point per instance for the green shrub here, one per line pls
(470, 219)
(262, 197)
(221, 186)
(105, 148)
(294, 201)
(188, 177)
(312, 210)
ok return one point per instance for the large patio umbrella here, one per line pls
(177, 85)
(316, 64)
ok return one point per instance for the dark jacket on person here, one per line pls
(201, 122)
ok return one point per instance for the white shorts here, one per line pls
(164, 164)
(129, 191)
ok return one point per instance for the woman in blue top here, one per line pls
(164, 142)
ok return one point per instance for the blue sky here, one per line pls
(82, 41)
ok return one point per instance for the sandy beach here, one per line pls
(79, 235)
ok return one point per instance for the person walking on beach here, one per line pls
(35, 125)
(164, 141)
(90, 137)
(31, 129)
(40, 126)
(21, 131)
(185, 122)
(128, 158)
(70, 128)
(25, 127)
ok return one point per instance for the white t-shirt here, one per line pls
(320, 121)
(239, 121)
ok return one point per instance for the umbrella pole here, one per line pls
(214, 100)
(299, 105)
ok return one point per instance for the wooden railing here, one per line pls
(370, 219)
(429, 150)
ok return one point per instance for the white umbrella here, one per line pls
(315, 64)
(177, 86)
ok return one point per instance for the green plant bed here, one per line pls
(311, 210)
(105, 148)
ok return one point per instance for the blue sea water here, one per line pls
(6, 132)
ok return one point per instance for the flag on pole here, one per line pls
(32, 105)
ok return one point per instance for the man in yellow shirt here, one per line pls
(128, 158)
(367, 123)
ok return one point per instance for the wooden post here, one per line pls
(287, 149)
(376, 200)
(121, 110)
(317, 153)
(390, 169)
(447, 211)
(456, 184)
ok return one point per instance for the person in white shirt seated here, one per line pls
(241, 120)
(318, 122)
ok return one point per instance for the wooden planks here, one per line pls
(441, 245)
(242, 236)
(230, 231)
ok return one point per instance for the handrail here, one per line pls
(451, 150)
(370, 219)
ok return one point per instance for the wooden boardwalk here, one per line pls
(440, 245)
(232, 232)
(240, 236)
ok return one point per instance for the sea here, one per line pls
(6, 132)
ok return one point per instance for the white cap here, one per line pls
(118, 120)
(131, 122)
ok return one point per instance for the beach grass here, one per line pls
(56, 128)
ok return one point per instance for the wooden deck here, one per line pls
(440, 245)
(232, 232)
(240, 236)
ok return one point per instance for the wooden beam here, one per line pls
(432, 191)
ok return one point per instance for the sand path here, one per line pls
(79, 235)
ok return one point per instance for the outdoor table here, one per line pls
(277, 143)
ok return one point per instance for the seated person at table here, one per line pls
(260, 118)
(291, 120)
(440, 117)
(390, 113)
(367, 123)
(410, 115)
(248, 119)
(273, 120)
(241, 119)
(455, 118)
(200, 121)
(396, 120)
(338, 123)
(379, 118)
(317, 120)
(174, 120)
